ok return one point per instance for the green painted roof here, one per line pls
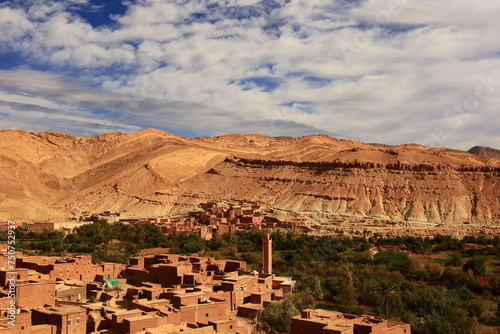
(111, 281)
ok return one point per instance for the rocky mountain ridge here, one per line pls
(154, 173)
(485, 152)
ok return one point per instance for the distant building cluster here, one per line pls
(36, 227)
(41, 226)
(214, 218)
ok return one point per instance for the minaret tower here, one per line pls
(267, 255)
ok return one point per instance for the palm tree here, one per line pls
(302, 299)
(387, 289)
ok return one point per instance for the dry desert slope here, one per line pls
(150, 173)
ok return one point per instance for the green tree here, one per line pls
(413, 270)
(347, 299)
(388, 289)
(278, 314)
(440, 311)
(192, 244)
(477, 265)
(495, 285)
(312, 285)
(456, 260)
(302, 300)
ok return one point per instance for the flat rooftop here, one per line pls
(62, 310)
(256, 307)
(139, 318)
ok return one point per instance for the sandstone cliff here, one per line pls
(150, 173)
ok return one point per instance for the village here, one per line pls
(211, 218)
(225, 218)
(159, 292)
(162, 293)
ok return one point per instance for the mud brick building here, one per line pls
(76, 268)
(329, 322)
(70, 290)
(267, 255)
(39, 227)
(23, 325)
(30, 292)
(170, 269)
(251, 219)
(67, 319)
(33, 294)
(4, 225)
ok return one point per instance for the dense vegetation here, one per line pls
(454, 294)
(106, 242)
(454, 291)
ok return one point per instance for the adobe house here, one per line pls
(142, 322)
(330, 322)
(67, 319)
(4, 225)
(159, 306)
(71, 290)
(117, 320)
(19, 273)
(33, 294)
(231, 325)
(77, 268)
(251, 219)
(39, 227)
(23, 323)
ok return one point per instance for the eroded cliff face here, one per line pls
(435, 194)
(150, 173)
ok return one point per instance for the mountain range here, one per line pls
(154, 173)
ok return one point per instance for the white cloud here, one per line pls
(13, 24)
(53, 102)
(382, 70)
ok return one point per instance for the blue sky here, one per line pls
(395, 71)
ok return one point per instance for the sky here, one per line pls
(384, 71)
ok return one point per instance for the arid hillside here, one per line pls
(485, 152)
(151, 173)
